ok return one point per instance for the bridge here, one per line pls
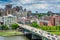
(40, 32)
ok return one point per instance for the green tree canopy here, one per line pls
(4, 27)
(14, 26)
(34, 24)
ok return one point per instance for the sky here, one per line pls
(42, 6)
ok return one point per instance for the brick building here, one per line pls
(50, 21)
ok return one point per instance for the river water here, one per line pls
(14, 38)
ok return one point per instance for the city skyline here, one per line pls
(42, 6)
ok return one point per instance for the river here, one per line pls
(14, 38)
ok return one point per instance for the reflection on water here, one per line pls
(13, 38)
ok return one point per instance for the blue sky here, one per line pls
(35, 5)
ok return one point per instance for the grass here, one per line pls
(10, 33)
(52, 30)
(56, 32)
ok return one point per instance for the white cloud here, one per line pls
(38, 6)
(43, 1)
(58, 6)
(26, 1)
(35, 4)
(56, 0)
(1, 6)
(45, 4)
(41, 6)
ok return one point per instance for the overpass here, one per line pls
(40, 32)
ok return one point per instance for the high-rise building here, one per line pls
(18, 15)
(29, 13)
(1, 12)
(21, 14)
(17, 8)
(8, 9)
(36, 12)
(21, 8)
(24, 13)
(50, 13)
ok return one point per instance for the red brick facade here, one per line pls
(53, 21)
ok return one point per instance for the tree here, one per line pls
(59, 27)
(14, 26)
(4, 27)
(34, 24)
(39, 15)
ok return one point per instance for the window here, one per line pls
(45, 23)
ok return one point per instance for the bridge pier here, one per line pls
(31, 35)
(43, 38)
(35, 37)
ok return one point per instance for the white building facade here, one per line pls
(1, 19)
(10, 19)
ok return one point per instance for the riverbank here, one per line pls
(10, 33)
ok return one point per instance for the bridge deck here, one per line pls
(39, 32)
